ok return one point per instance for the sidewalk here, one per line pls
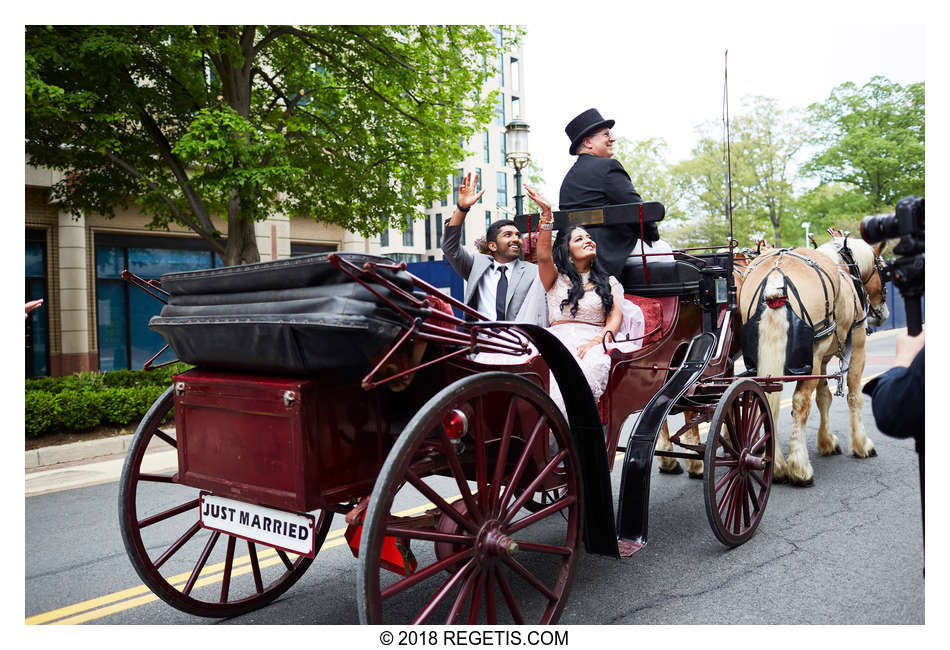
(80, 464)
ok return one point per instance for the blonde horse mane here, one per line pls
(862, 252)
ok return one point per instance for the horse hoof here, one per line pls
(871, 454)
(696, 475)
(779, 479)
(806, 483)
(675, 469)
(837, 451)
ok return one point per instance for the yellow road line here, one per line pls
(126, 599)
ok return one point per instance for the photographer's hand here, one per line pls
(907, 349)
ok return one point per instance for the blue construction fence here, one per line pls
(442, 276)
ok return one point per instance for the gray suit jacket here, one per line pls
(472, 267)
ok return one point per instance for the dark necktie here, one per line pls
(500, 294)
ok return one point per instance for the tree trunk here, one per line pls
(776, 227)
(242, 240)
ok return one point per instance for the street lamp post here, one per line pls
(516, 153)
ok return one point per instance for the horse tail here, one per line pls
(773, 335)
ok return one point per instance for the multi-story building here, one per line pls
(92, 320)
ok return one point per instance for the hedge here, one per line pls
(90, 399)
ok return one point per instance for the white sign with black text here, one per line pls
(285, 530)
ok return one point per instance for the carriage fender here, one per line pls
(587, 432)
(634, 504)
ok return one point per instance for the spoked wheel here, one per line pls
(452, 498)
(740, 454)
(188, 566)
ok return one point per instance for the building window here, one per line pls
(515, 107)
(500, 110)
(478, 184)
(123, 312)
(438, 230)
(37, 324)
(405, 257)
(487, 148)
(515, 76)
(504, 151)
(501, 181)
(487, 219)
(408, 232)
(296, 250)
(500, 41)
(384, 237)
(428, 232)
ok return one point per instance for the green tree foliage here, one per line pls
(353, 125)
(763, 142)
(871, 149)
(702, 183)
(646, 162)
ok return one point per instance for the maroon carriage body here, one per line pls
(294, 443)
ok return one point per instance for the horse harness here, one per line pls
(803, 333)
(828, 325)
(859, 282)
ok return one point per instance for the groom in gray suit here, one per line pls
(496, 284)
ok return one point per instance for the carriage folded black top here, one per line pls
(294, 316)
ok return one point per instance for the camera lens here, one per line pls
(878, 228)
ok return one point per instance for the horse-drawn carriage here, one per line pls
(339, 384)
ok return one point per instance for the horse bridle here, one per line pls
(880, 267)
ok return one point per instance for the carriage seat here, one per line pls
(665, 278)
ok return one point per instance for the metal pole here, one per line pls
(518, 195)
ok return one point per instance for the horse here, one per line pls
(822, 299)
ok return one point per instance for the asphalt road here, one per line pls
(846, 551)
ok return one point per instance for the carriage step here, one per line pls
(628, 548)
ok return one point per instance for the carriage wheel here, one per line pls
(190, 567)
(740, 453)
(457, 512)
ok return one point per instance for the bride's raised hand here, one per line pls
(542, 202)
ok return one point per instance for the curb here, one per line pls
(85, 450)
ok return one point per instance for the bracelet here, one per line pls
(461, 209)
(546, 225)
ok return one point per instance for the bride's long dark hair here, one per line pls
(562, 260)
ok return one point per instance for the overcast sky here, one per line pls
(659, 79)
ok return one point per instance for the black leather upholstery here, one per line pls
(296, 316)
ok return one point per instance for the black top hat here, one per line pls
(581, 126)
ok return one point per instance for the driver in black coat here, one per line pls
(596, 180)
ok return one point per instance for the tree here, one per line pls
(353, 125)
(768, 140)
(763, 142)
(646, 162)
(872, 140)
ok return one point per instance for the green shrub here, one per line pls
(88, 399)
(77, 410)
(39, 413)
